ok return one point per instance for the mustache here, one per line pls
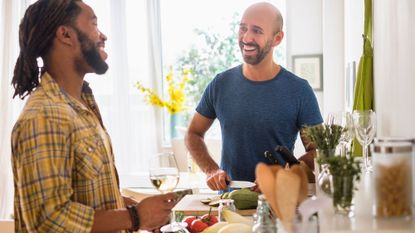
(249, 44)
(100, 44)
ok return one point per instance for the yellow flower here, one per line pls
(175, 90)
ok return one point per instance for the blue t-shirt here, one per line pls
(256, 116)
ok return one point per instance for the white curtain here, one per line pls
(155, 54)
(133, 126)
(394, 69)
(134, 55)
(10, 15)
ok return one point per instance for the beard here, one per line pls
(90, 53)
(254, 60)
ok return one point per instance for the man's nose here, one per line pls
(103, 36)
(247, 37)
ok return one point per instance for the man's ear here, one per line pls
(278, 38)
(65, 35)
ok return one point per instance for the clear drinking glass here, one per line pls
(345, 120)
(164, 173)
(365, 129)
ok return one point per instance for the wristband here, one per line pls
(132, 210)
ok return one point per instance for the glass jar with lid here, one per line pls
(392, 163)
(264, 219)
(225, 204)
(412, 141)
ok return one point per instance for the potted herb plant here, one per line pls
(345, 172)
(325, 137)
(338, 173)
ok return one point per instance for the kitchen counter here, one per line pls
(328, 222)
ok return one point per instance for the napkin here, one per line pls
(284, 188)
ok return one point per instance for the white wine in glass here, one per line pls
(164, 173)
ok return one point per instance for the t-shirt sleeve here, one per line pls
(309, 113)
(206, 106)
(43, 179)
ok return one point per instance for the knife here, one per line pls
(287, 155)
(240, 184)
(268, 155)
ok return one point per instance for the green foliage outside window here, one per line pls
(218, 53)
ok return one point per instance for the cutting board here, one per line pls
(191, 205)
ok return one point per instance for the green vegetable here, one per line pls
(224, 195)
(244, 199)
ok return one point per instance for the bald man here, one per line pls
(259, 105)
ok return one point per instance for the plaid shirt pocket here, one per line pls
(90, 158)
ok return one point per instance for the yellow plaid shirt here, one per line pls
(62, 161)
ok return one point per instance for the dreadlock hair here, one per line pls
(36, 33)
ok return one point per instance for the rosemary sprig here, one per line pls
(325, 136)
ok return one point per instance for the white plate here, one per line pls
(173, 227)
(241, 184)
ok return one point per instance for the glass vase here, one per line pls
(323, 181)
(176, 119)
(342, 193)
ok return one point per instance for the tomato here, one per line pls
(198, 226)
(189, 220)
(209, 219)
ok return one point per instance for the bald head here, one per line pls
(268, 11)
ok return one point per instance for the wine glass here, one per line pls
(365, 129)
(345, 120)
(164, 173)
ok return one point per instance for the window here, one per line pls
(202, 35)
(131, 123)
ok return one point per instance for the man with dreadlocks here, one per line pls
(64, 174)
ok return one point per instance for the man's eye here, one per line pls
(257, 31)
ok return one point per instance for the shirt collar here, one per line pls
(57, 94)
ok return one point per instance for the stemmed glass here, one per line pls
(365, 129)
(164, 175)
(345, 120)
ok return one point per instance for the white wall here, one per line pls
(304, 31)
(333, 50)
(334, 28)
(320, 27)
(353, 26)
(303, 23)
(394, 67)
(303, 27)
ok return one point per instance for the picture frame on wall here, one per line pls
(310, 68)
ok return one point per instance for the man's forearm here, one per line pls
(111, 221)
(308, 158)
(198, 149)
(310, 148)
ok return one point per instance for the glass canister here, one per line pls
(225, 204)
(412, 141)
(392, 162)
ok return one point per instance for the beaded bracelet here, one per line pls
(134, 218)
